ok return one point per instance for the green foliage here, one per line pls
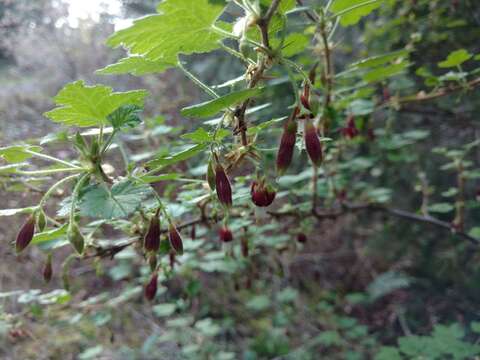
(352, 11)
(181, 27)
(121, 200)
(357, 279)
(18, 153)
(81, 105)
(444, 342)
(213, 107)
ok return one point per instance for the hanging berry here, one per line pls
(152, 237)
(312, 143)
(25, 235)
(223, 187)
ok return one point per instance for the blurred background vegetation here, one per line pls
(363, 286)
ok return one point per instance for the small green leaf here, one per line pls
(137, 66)
(212, 107)
(175, 158)
(385, 72)
(120, 201)
(475, 232)
(455, 58)
(125, 117)
(353, 10)
(440, 208)
(50, 235)
(388, 353)
(258, 303)
(284, 6)
(164, 310)
(294, 44)
(380, 59)
(180, 27)
(18, 153)
(81, 105)
(198, 136)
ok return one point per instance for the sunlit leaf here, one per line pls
(120, 201)
(136, 65)
(213, 107)
(18, 153)
(81, 105)
(359, 9)
(180, 27)
(455, 58)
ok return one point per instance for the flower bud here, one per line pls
(211, 175)
(305, 97)
(75, 238)
(262, 195)
(350, 131)
(225, 234)
(224, 190)
(25, 235)
(152, 237)
(312, 143)
(41, 221)
(302, 238)
(151, 287)
(287, 146)
(175, 239)
(152, 261)
(47, 269)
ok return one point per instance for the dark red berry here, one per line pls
(287, 145)
(152, 237)
(151, 287)
(350, 131)
(302, 238)
(223, 187)
(262, 195)
(225, 234)
(25, 235)
(312, 143)
(175, 239)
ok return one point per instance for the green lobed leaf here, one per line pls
(294, 44)
(50, 235)
(358, 10)
(18, 153)
(81, 105)
(382, 73)
(125, 117)
(441, 208)
(180, 27)
(285, 5)
(455, 58)
(121, 200)
(137, 66)
(212, 107)
(380, 59)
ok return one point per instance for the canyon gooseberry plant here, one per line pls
(237, 139)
